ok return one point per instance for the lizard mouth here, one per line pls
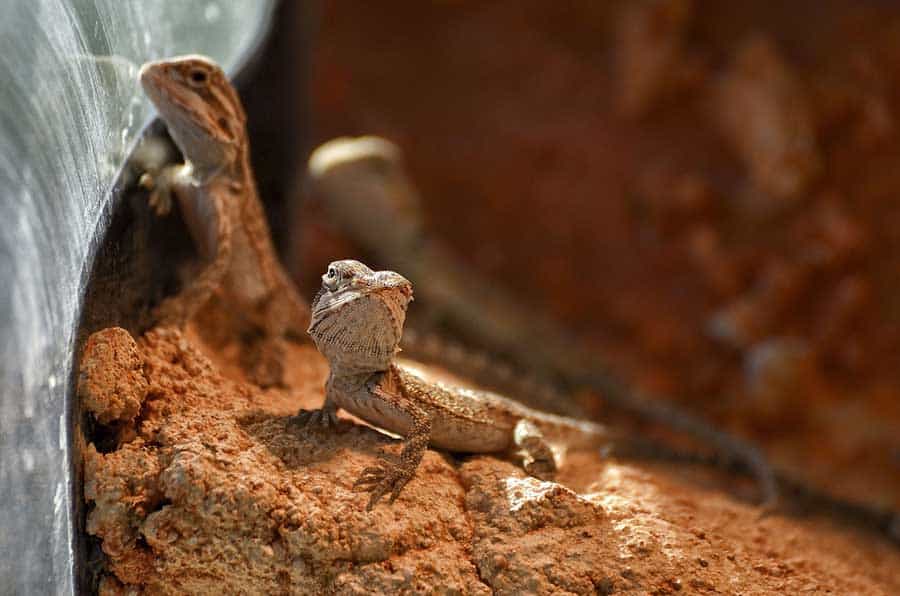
(150, 76)
(329, 299)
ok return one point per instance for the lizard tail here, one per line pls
(735, 451)
(573, 433)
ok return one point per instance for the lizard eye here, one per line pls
(198, 77)
(330, 279)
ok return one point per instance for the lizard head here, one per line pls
(364, 184)
(358, 315)
(202, 110)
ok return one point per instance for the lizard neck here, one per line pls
(350, 368)
(236, 171)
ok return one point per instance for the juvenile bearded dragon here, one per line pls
(217, 195)
(357, 322)
(364, 184)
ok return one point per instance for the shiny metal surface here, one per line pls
(67, 120)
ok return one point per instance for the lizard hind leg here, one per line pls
(537, 455)
(388, 477)
(391, 478)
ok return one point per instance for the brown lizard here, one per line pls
(218, 199)
(364, 184)
(357, 322)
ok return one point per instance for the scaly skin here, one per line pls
(364, 184)
(357, 323)
(217, 195)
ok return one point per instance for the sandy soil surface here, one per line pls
(205, 487)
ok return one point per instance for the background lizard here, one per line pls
(365, 187)
(218, 199)
(357, 322)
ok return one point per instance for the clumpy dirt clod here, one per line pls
(111, 383)
(215, 491)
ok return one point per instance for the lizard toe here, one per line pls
(543, 469)
(314, 419)
(369, 478)
(161, 203)
(380, 480)
(329, 419)
(398, 485)
(300, 419)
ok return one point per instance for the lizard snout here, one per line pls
(149, 75)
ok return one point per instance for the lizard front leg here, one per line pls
(160, 185)
(390, 477)
(324, 417)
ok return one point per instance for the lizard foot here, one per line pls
(537, 455)
(161, 185)
(379, 480)
(543, 468)
(323, 418)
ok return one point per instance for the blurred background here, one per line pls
(705, 193)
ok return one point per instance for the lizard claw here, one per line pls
(160, 194)
(379, 480)
(323, 418)
(540, 468)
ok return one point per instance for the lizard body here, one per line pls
(218, 199)
(364, 184)
(357, 322)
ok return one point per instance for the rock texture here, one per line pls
(111, 381)
(210, 490)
